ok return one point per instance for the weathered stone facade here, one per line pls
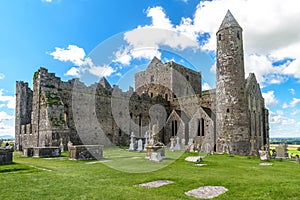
(230, 118)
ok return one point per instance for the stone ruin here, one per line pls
(231, 118)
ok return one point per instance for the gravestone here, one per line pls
(177, 146)
(132, 146)
(40, 152)
(281, 151)
(140, 145)
(297, 159)
(146, 141)
(172, 144)
(6, 155)
(85, 152)
(264, 155)
(155, 157)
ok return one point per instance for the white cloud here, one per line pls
(292, 91)
(295, 112)
(206, 86)
(123, 56)
(159, 18)
(294, 102)
(47, 1)
(2, 76)
(73, 72)
(9, 100)
(7, 129)
(145, 41)
(77, 56)
(72, 54)
(5, 117)
(270, 98)
(285, 105)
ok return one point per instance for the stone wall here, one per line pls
(23, 112)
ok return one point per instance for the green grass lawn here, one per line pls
(60, 178)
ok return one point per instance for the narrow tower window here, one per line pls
(152, 78)
(220, 37)
(238, 34)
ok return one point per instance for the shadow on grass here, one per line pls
(13, 167)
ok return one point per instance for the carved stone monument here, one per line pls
(172, 144)
(132, 146)
(177, 146)
(281, 151)
(140, 145)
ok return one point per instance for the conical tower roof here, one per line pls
(229, 21)
(104, 83)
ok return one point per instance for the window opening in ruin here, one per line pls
(66, 117)
(174, 127)
(238, 34)
(202, 127)
(198, 127)
(120, 132)
(227, 110)
(174, 96)
(152, 78)
(220, 37)
(187, 77)
(151, 94)
(166, 97)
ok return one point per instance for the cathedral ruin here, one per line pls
(231, 118)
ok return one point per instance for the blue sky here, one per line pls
(115, 38)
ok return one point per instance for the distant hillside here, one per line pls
(6, 137)
(280, 140)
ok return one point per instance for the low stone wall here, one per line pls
(46, 151)
(28, 152)
(85, 152)
(6, 155)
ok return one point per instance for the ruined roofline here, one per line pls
(170, 64)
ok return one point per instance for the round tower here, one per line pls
(231, 108)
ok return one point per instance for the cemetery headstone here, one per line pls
(132, 146)
(140, 145)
